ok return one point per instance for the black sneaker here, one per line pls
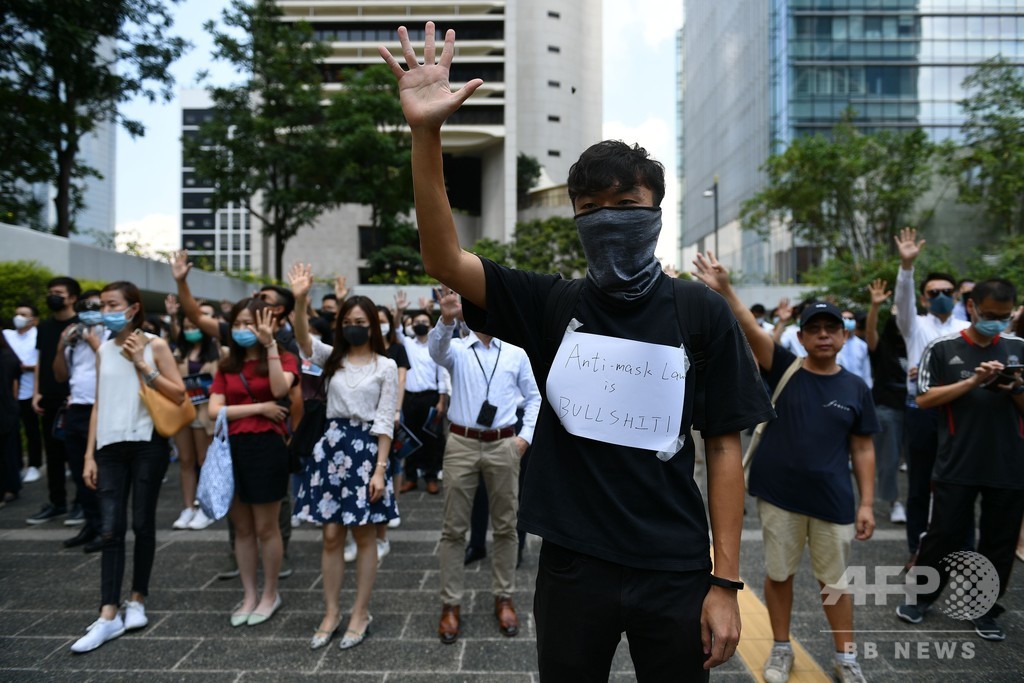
(988, 628)
(912, 614)
(76, 517)
(46, 514)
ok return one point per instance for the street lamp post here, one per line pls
(712, 193)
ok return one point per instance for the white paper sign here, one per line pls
(619, 391)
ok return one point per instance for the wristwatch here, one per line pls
(726, 583)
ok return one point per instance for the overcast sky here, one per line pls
(639, 106)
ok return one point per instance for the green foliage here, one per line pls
(492, 249)
(527, 174)
(542, 246)
(397, 264)
(847, 192)
(66, 66)
(23, 281)
(1004, 258)
(989, 166)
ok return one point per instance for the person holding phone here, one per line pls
(253, 382)
(125, 457)
(974, 379)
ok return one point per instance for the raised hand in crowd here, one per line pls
(300, 279)
(879, 294)
(401, 303)
(340, 288)
(180, 265)
(427, 304)
(450, 304)
(909, 246)
(265, 327)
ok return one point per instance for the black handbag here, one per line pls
(311, 427)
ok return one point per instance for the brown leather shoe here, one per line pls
(432, 488)
(407, 486)
(508, 622)
(449, 629)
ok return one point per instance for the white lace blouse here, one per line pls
(368, 393)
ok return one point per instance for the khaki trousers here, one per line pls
(464, 461)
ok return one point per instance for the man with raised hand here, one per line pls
(610, 488)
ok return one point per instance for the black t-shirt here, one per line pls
(397, 353)
(803, 462)
(47, 339)
(619, 503)
(981, 434)
(10, 372)
(889, 368)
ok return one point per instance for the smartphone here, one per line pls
(1009, 374)
(142, 337)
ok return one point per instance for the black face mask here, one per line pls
(328, 315)
(420, 330)
(356, 335)
(55, 302)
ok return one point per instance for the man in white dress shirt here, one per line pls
(487, 377)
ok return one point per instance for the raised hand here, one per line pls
(711, 272)
(300, 279)
(450, 304)
(266, 326)
(180, 265)
(401, 302)
(426, 304)
(878, 292)
(341, 288)
(908, 246)
(425, 92)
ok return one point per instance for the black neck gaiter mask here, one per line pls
(619, 243)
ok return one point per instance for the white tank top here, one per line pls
(121, 415)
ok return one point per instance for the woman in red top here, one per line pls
(252, 379)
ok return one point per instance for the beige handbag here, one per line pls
(748, 457)
(169, 418)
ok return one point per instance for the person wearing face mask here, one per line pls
(10, 448)
(397, 353)
(75, 363)
(921, 425)
(854, 354)
(125, 457)
(22, 340)
(197, 354)
(974, 377)
(346, 481)
(329, 307)
(622, 520)
(426, 392)
(49, 395)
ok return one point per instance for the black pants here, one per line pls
(10, 461)
(953, 514)
(136, 468)
(427, 459)
(33, 437)
(921, 428)
(76, 425)
(56, 458)
(582, 606)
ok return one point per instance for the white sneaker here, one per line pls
(200, 520)
(134, 615)
(31, 474)
(383, 548)
(296, 522)
(100, 632)
(184, 518)
(395, 523)
(350, 550)
(779, 664)
(898, 515)
(847, 672)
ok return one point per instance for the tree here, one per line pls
(847, 192)
(527, 175)
(989, 165)
(65, 67)
(542, 246)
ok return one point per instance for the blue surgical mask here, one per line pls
(244, 338)
(90, 318)
(115, 321)
(850, 325)
(990, 328)
(193, 336)
(941, 305)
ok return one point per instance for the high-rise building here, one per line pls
(757, 75)
(541, 66)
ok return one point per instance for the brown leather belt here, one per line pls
(483, 434)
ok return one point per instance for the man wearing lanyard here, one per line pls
(487, 376)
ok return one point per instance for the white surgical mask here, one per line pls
(384, 329)
(21, 322)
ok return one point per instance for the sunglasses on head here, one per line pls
(932, 293)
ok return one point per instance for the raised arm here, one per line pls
(878, 297)
(714, 275)
(180, 267)
(906, 311)
(300, 277)
(427, 101)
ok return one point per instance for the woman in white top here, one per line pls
(125, 458)
(346, 483)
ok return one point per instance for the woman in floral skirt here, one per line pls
(346, 482)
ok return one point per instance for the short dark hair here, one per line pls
(613, 163)
(757, 309)
(69, 283)
(995, 288)
(285, 295)
(328, 297)
(937, 276)
(31, 307)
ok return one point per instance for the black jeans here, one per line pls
(953, 514)
(582, 605)
(33, 437)
(76, 424)
(921, 429)
(10, 461)
(138, 468)
(56, 458)
(428, 459)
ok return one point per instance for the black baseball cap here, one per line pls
(820, 308)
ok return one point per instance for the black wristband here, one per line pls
(726, 583)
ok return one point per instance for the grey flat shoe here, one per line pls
(352, 638)
(321, 637)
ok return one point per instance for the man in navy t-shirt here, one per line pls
(800, 473)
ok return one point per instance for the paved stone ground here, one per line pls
(48, 596)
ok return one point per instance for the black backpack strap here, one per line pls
(558, 309)
(692, 317)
